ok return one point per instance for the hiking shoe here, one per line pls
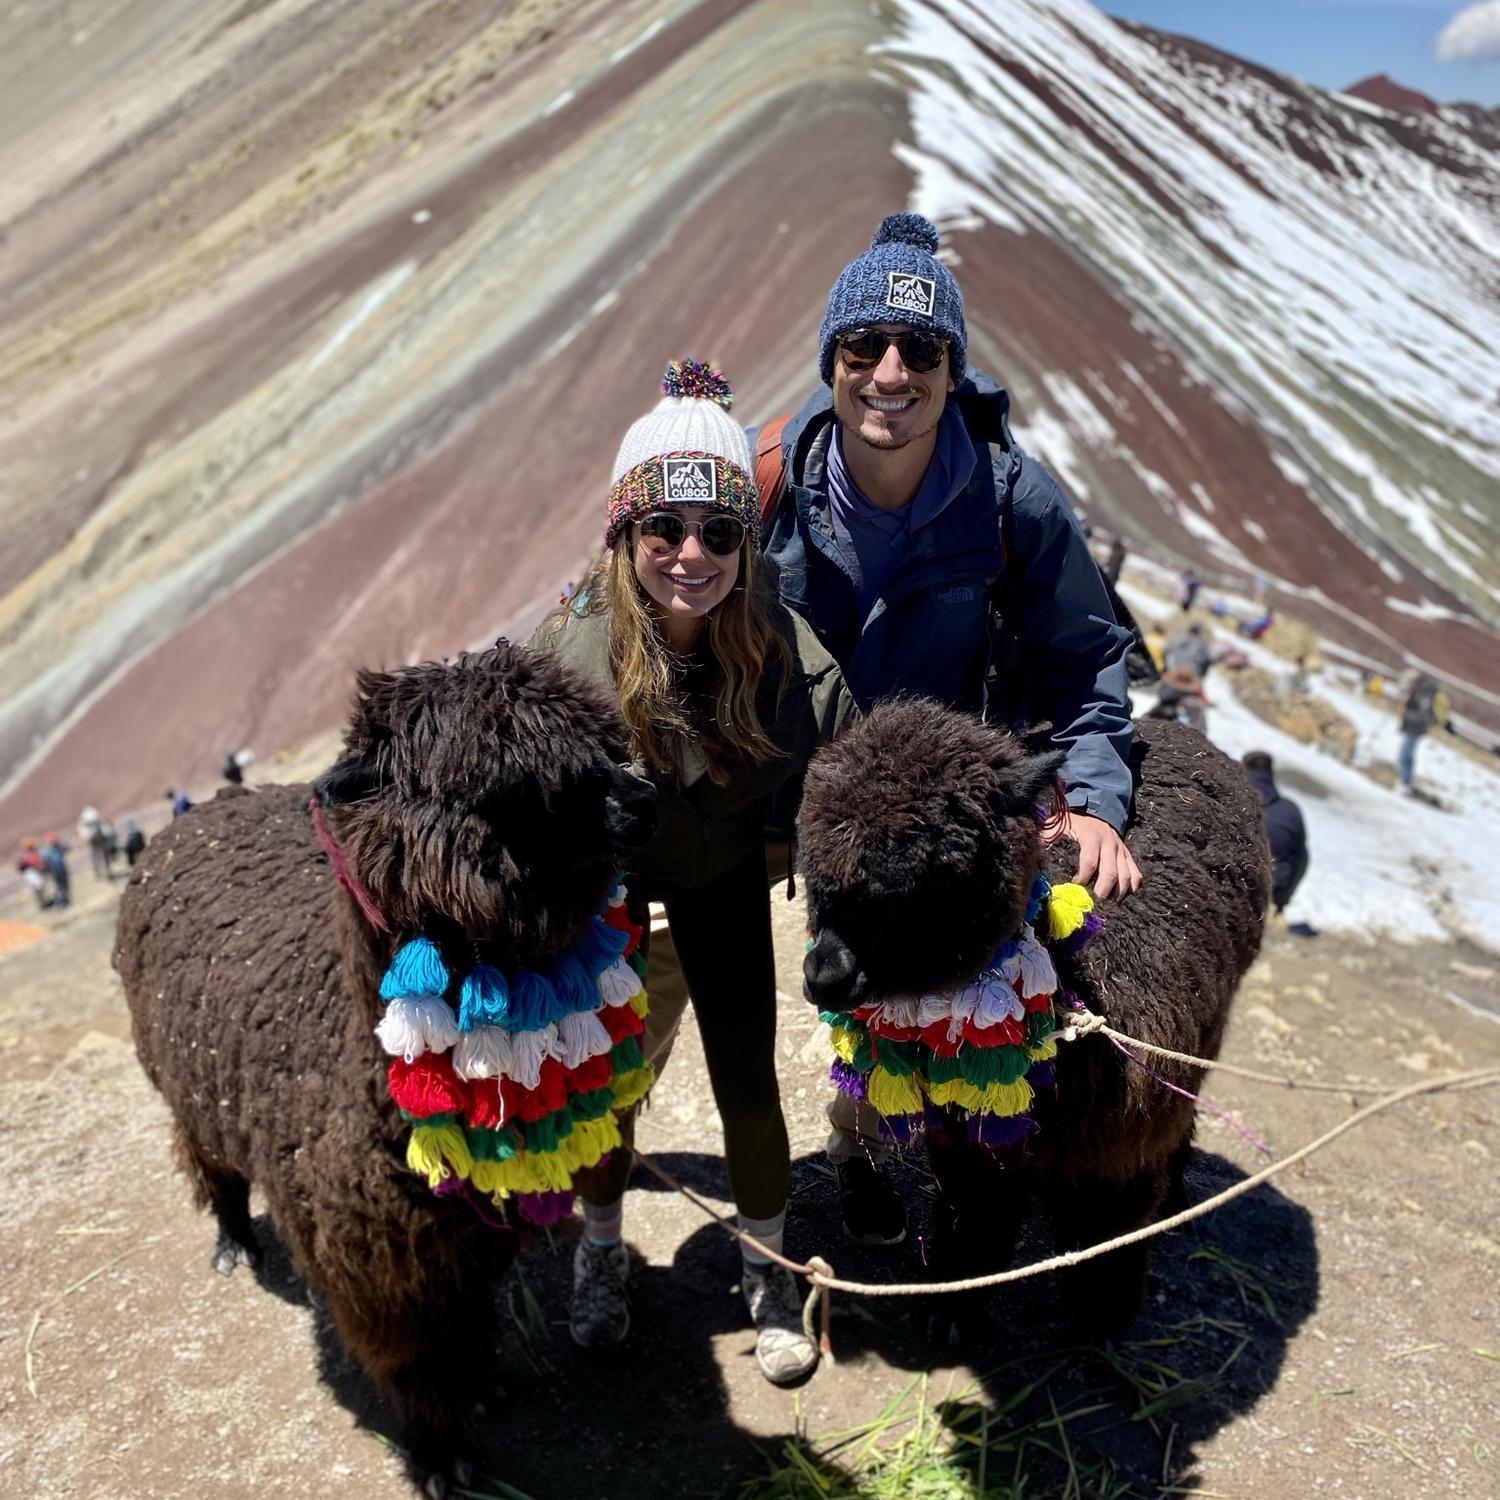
(599, 1314)
(782, 1350)
(873, 1211)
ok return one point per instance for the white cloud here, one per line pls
(1473, 33)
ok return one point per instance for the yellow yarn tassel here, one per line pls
(438, 1151)
(588, 1142)
(845, 1044)
(1067, 905)
(638, 1002)
(1006, 1098)
(1043, 1051)
(632, 1086)
(890, 1094)
(956, 1091)
(488, 1178)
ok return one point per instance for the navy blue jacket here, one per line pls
(929, 634)
(1285, 833)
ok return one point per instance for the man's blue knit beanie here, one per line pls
(896, 281)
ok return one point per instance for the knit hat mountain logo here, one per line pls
(689, 480)
(912, 294)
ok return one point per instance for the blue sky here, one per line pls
(1333, 43)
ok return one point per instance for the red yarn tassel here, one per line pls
(620, 1021)
(549, 1095)
(593, 1073)
(427, 1086)
(616, 917)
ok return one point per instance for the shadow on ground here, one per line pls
(1225, 1296)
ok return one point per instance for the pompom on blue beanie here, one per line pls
(896, 280)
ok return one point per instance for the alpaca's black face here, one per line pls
(917, 843)
(484, 800)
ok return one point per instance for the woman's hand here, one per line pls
(1104, 863)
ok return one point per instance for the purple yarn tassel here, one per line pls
(544, 1208)
(1091, 924)
(997, 1131)
(456, 1187)
(849, 1080)
(902, 1129)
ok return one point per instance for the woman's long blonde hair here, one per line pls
(743, 639)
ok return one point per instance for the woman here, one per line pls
(725, 694)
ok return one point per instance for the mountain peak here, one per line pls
(1383, 90)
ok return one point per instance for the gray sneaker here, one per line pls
(599, 1314)
(782, 1350)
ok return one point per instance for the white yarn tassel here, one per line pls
(997, 1002)
(618, 983)
(1038, 977)
(484, 1052)
(528, 1051)
(581, 1036)
(932, 1008)
(415, 1024)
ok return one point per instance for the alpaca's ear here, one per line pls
(1029, 781)
(351, 779)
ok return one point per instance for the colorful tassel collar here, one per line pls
(982, 1048)
(511, 1084)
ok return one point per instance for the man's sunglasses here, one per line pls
(920, 351)
(662, 532)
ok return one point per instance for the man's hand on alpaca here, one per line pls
(1104, 863)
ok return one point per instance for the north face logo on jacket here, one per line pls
(910, 294)
(689, 479)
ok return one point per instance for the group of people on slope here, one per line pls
(910, 548)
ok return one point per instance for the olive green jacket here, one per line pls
(704, 830)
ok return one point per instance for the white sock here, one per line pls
(770, 1232)
(602, 1222)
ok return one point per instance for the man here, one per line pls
(909, 520)
(1426, 705)
(1285, 831)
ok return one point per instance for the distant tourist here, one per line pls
(231, 771)
(55, 858)
(33, 871)
(1285, 831)
(98, 834)
(1187, 590)
(1179, 696)
(180, 801)
(1188, 649)
(135, 841)
(1115, 561)
(1426, 705)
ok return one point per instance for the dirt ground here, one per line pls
(1337, 1331)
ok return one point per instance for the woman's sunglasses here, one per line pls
(662, 532)
(920, 351)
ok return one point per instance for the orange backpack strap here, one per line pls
(770, 470)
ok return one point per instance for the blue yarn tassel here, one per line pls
(533, 1002)
(574, 986)
(484, 999)
(1039, 888)
(601, 946)
(417, 969)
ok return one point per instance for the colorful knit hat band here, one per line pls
(706, 479)
(687, 450)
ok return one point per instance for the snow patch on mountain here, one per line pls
(1334, 267)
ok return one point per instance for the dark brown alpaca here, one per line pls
(919, 842)
(478, 802)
